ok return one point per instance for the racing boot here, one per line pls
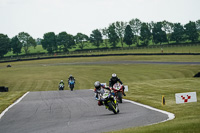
(124, 94)
(100, 103)
(123, 91)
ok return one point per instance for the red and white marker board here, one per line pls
(186, 97)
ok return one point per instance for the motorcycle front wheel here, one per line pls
(113, 107)
(71, 87)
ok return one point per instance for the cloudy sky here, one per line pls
(37, 17)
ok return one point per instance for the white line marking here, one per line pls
(2, 114)
(170, 115)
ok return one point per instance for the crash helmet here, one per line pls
(70, 76)
(61, 81)
(97, 85)
(114, 75)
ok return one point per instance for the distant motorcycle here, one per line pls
(110, 102)
(61, 87)
(118, 90)
(71, 84)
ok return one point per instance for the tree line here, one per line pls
(132, 32)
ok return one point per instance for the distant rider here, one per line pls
(71, 78)
(114, 80)
(61, 84)
(99, 89)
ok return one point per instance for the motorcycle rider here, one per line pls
(61, 84)
(114, 80)
(71, 78)
(99, 89)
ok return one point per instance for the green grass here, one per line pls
(37, 49)
(150, 49)
(147, 83)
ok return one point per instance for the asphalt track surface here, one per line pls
(72, 112)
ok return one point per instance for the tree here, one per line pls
(145, 34)
(105, 34)
(16, 45)
(128, 36)
(136, 26)
(4, 45)
(178, 33)
(120, 28)
(49, 42)
(81, 39)
(191, 31)
(26, 40)
(112, 35)
(38, 41)
(70, 41)
(65, 40)
(159, 35)
(96, 38)
(151, 26)
(168, 28)
(198, 25)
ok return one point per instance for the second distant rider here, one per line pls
(71, 78)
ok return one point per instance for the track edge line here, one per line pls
(171, 116)
(3, 113)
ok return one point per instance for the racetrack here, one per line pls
(72, 112)
(125, 62)
(111, 62)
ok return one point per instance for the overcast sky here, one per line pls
(37, 17)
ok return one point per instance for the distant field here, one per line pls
(36, 50)
(150, 49)
(147, 83)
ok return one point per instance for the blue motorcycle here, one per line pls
(71, 84)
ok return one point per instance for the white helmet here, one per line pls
(97, 84)
(61, 81)
(114, 75)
